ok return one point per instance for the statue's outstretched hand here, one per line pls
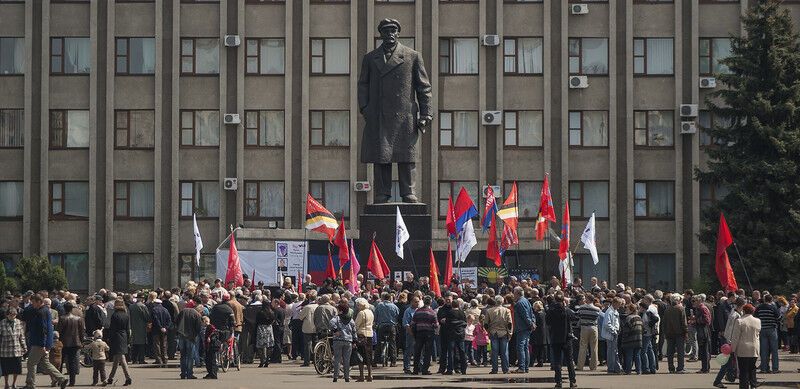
(422, 124)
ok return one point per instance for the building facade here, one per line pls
(114, 124)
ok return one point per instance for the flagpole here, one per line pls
(743, 266)
(516, 206)
(413, 262)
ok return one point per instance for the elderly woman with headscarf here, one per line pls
(343, 332)
(12, 346)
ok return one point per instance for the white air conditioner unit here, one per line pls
(688, 110)
(490, 40)
(232, 40)
(492, 118)
(362, 186)
(495, 191)
(708, 82)
(230, 183)
(579, 9)
(578, 82)
(232, 118)
(272, 224)
(688, 128)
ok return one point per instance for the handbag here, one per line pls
(356, 358)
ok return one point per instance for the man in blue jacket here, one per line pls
(39, 329)
(524, 324)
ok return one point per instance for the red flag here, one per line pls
(509, 212)
(450, 219)
(234, 272)
(448, 266)
(253, 281)
(434, 276)
(563, 276)
(723, 263)
(355, 268)
(319, 218)
(563, 247)
(376, 264)
(340, 240)
(492, 249)
(509, 238)
(330, 272)
(541, 227)
(546, 208)
(299, 283)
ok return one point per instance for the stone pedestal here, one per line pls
(380, 219)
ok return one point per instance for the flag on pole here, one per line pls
(563, 246)
(492, 248)
(401, 235)
(299, 282)
(509, 212)
(450, 219)
(253, 281)
(376, 264)
(466, 241)
(541, 227)
(340, 240)
(489, 208)
(588, 239)
(353, 260)
(234, 272)
(723, 263)
(465, 209)
(330, 272)
(508, 239)
(448, 266)
(319, 219)
(198, 241)
(434, 276)
(546, 208)
(564, 266)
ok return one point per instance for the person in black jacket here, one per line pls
(264, 334)
(94, 316)
(559, 319)
(456, 323)
(277, 329)
(219, 330)
(162, 322)
(118, 341)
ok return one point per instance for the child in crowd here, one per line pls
(99, 351)
(481, 339)
(469, 338)
(55, 352)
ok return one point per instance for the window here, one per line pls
(458, 56)
(11, 194)
(453, 188)
(707, 120)
(265, 56)
(586, 197)
(133, 199)
(69, 200)
(588, 56)
(133, 271)
(652, 56)
(263, 1)
(334, 195)
(69, 129)
(263, 200)
(199, 56)
(710, 194)
(405, 41)
(70, 55)
(585, 268)
(199, 128)
(330, 56)
(12, 55)
(655, 271)
(712, 51)
(189, 270)
(522, 55)
(264, 128)
(76, 268)
(12, 128)
(200, 197)
(523, 128)
(588, 128)
(330, 128)
(528, 193)
(9, 262)
(654, 199)
(134, 129)
(653, 128)
(458, 129)
(136, 55)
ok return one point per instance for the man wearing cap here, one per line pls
(394, 96)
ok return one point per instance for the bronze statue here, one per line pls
(394, 96)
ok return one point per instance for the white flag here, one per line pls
(401, 236)
(466, 241)
(198, 241)
(588, 239)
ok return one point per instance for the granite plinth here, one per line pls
(380, 220)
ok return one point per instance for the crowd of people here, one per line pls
(508, 328)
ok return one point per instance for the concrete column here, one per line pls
(94, 144)
(354, 114)
(434, 76)
(160, 246)
(498, 97)
(623, 265)
(685, 141)
(44, 175)
(482, 130)
(109, 146)
(223, 129)
(305, 104)
(30, 228)
(175, 142)
(288, 117)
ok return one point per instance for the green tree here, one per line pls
(37, 273)
(7, 284)
(757, 153)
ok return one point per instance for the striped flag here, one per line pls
(319, 219)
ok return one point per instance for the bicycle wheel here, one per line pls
(85, 358)
(322, 358)
(237, 356)
(222, 358)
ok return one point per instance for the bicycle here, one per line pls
(85, 354)
(228, 352)
(323, 356)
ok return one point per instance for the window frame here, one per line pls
(516, 146)
(580, 56)
(21, 215)
(258, 200)
(128, 269)
(190, 258)
(713, 198)
(646, 271)
(64, 130)
(710, 55)
(24, 59)
(647, 129)
(582, 199)
(520, 183)
(20, 111)
(127, 56)
(127, 200)
(63, 200)
(257, 129)
(258, 56)
(322, 198)
(194, 39)
(516, 71)
(62, 256)
(645, 73)
(311, 56)
(181, 199)
(61, 71)
(451, 146)
(713, 142)
(311, 129)
(449, 56)
(581, 129)
(194, 144)
(646, 200)
(127, 129)
(442, 214)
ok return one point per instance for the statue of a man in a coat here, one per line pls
(394, 96)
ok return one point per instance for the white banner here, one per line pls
(292, 257)
(469, 273)
(265, 264)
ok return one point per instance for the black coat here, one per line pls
(119, 330)
(390, 93)
(558, 320)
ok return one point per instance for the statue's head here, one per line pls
(390, 31)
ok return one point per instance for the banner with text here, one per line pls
(265, 264)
